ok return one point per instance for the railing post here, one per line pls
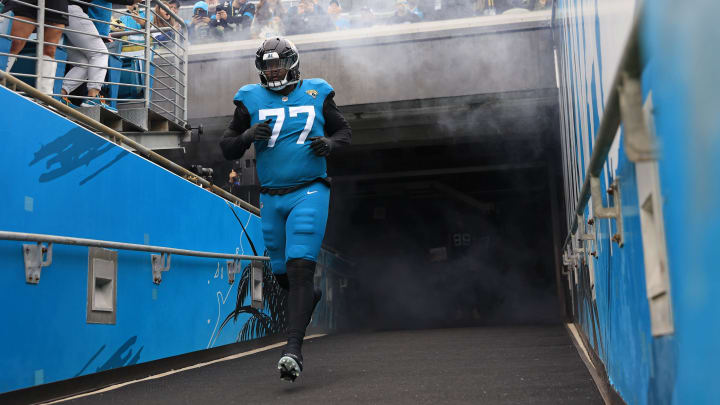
(614, 212)
(637, 139)
(185, 75)
(177, 64)
(40, 43)
(148, 53)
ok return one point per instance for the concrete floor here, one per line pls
(484, 365)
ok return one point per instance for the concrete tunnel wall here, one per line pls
(470, 56)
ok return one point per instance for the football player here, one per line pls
(294, 125)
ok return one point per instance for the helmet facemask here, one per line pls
(271, 63)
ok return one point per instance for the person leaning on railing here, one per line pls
(23, 26)
(165, 21)
(84, 34)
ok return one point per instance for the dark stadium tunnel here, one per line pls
(449, 219)
(436, 246)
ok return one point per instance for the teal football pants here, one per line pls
(293, 225)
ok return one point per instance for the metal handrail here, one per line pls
(170, 26)
(166, 48)
(84, 18)
(67, 240)
(79, 80)
(631, 65)
(74, 63)
(120, 139)
(120, 34)
(156, 104)
(172, 14)
(172, 53)
(170, 64)
(166, 87)
(164, 99)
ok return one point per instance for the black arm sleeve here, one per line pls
(231, 143)
(336, 127)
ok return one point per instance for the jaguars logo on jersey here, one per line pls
(312, 93)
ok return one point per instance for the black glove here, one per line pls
(321, 145)
(258, 132)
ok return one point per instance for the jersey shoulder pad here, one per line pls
(320, 85)
(246, 92)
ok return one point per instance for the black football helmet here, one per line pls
(278, 54)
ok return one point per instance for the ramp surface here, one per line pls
(508, 365)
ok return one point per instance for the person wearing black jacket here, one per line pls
(242, 15)
(307, 19)
(220, 23)
(232, 20)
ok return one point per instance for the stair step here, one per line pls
(148, 120)
(110, 119)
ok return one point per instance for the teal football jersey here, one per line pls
(286, 159)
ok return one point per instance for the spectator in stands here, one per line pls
(268, 19)
(541, 4)
(485, 7)
(134, 22)
(413, 6)
(426, 9)
(461, 8)
(211, 6)
(165, 20)
(366, 18)
(199, 24)
(403, 14)
(84, 34)
(307, 20)
(242, 15)
(318, 7)
(219, 24)
(23, 27)
(517, 6)
(136, 17)
(334, 11)
(233, 185)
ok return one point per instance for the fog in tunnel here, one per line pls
(445, 201)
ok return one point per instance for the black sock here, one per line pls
(300, 273)
(282, 280)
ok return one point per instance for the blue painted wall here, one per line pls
(682, 47)
(611, 305)
(61, 179)
(610, 294)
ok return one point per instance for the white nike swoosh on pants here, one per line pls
(311, 192)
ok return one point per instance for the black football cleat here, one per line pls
(290, 366)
